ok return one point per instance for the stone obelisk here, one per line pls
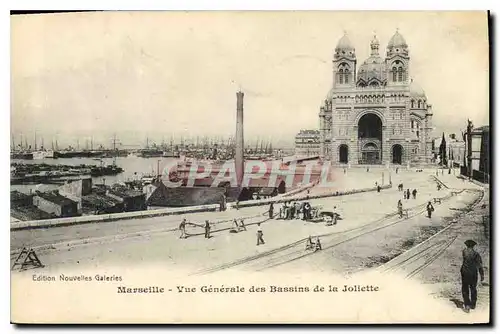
(238, 157)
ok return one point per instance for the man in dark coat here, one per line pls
(271, 210)
(292, 211)
(207, 229)
(430, 209)
(471, 265)
(307, 211)
(260, 235)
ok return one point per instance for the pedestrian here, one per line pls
(335, 215)
(439, 186)
(242, 225)
(430, 209)
(309, 243)
(367, 169)
(400, 208)
(407, 193)
(344, 171)
(307, 211)
(271, 209)
(182, 228)
(414, 193)
(471, 265)
(397, 169)
(207, 229)
(318, 245)
(298, 206)
(292, 211)
(260, 235)
(378, 189)
(404, 194)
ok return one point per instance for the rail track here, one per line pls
(296, 250)
(422, 255)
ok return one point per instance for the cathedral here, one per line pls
(375, 114)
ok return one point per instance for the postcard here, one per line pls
(250, 167)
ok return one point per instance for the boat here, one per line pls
(21, 155)
(39, 155)
(105, 170)
(171, 154)
(150, 153)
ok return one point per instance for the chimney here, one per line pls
(238, 158)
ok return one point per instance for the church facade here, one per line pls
(375, 114)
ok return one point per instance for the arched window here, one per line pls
(394, 72)
(346, 76)
(341, 76)
(412, 103)
(400, 74)
(419, 104)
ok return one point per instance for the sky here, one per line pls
(161, 74)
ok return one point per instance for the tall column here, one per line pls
(239, 158)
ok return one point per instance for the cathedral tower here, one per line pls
(397, 60)
(344, 64)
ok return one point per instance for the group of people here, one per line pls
(429, 208)
(238, 226)
(313, 245)
(294, 210)
(184, 222)
(406, 193)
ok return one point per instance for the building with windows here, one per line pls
(480, 154)
(375, 114)
(307, 143)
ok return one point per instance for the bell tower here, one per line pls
(344, 64)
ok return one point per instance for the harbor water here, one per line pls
(134, 168)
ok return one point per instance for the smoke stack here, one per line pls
(238, 158)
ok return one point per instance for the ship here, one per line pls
(21, 155)
(150, 153)
(105, 170)
(171, 154)
(44, 154)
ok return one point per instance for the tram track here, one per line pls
(417, 258)
(296, 250)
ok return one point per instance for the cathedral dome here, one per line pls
(397, 40)
(344, 44)
(331, 94)
(372, 68)
(416, 91)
